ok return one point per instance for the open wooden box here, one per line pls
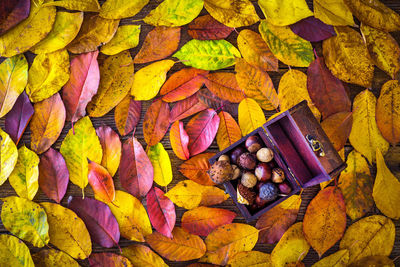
(301, 148)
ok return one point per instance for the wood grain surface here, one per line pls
(393, 157)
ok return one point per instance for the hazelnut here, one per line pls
(285, 188)
(263, 172)
(245, 195)
(265, 154)
(223, 158)
(249, 180)
(236, 154)
(278, 176)
(247, 161)
(268, 192)
(236, 172)
(253, 143)
(220, 172)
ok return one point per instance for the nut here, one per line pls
(263, 172)
(223, 158)
(245, 195)
(278, 176)
(268, 192)
(265, 154)
(285, 188)
(220, 172)
(249, 180)
(247, 161)
(258, 185)
(236, 154)
(253, 143)
(236, 172)
(260, 202)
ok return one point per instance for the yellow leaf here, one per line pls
(24, 178)
(148, 80)
(228, 240)
(347, 57)
(67, 231)
(228, 130)
(337, 259)
(81, 144)
(250, 116)
(250, 258)
(333, 12)
(116, 77)
(30, 31)
(126, 37)
(365, 136)
(292, 247)
(293, 89)
(8, 156)
(140, 255)
(48, 73)
(134, 224)
(51, 257)
(13, 252)
(284, 12)
(370, 236)
(13, 79)
(212, 195)
(119, 9)
(65, 29)
(232, 13)
(161, 163)
(81, 5)
(373, 261)
(386, 189)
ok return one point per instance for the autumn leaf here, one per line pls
(313, 29)
(187, 107)
(334, 13)
(373, 261)
(26, 220)
(81, 5)
(196, 169)
(161, 164)
(250, 116)
(284, 13)
(207, 54)
(108, 259)
(203, 220)
(148, 80)
(228, 130)
(232, 13)
(207, 28)
(209, 99)
(127, 115)
(13, 252)
(212, 195)
(135, 170)
(366, 142)
(159, 43)
(24, 177)
(65, 28)
(339, 258)
(250, 258)
(370, 236)
(53, 175)
(126, 37)
(274, 223)
(156, 122)
(47, 123)
(179, 140)
(101, 182)
(111, 146)
(52, 257)
(169, 13)
(161, 212)
(13, 79)
(347, 57)
(116, 9)
(141, 255)
(13, 12)
(338, 127)
(8, 156)
(67, 231)
(224, 86)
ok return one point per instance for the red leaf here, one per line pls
(13, 12)
(18, 117)
(212, 101)
(127, 115)
(107, 259)
(53, 175)
(202, 129)
(186, 108)
(196, 169)
(207, 28)
(82, 85)
(101, 182)
(224, 86)
(100, 222)
(111, 146)
(135, 170)
(179, 140)
(161, 211)
(182, 84)
(313, 29)
(156, 122)
(326, 91)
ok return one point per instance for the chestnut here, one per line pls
(247, 161)
(249, 180)
(278, 176)
(223, 158)
(253, 143)
(265, 154)
(236, 172)
(263, 172)
(236, 154)
(284, 188)
(260, 202)
(258, 185)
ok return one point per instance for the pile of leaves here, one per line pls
(85, 62)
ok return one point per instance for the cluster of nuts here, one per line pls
(261, 180)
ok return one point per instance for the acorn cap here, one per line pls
(245, 195)
(220, 172)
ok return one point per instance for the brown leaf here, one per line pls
(338, 127)
(207, 28)
(156, 122)
(212, 101)
(187, 107)
(127, 115)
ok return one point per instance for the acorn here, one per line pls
(284, 188)
(253, 143)
(249, 180)
(263, 172)
(278, 176)
(245, 195)
(236, 172)
(247, 161)
(236, 154)
(265, 154)
(223, 158)
(220, 172)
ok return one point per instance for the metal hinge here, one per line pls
(315, 145)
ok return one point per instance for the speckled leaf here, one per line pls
(284, 12)
(51, 257)
(127, 115)
(126, 37)
(338, 127)
(187, 107)
(67, 231)
(81, 5)
(371, 261)
(101, 182)
(156, 122)
(14, 252)
(208, 54)
(333, 12)
(161, 164)
(250, 258)
(116, 78)
(108, 259)
(141, 255)
(207, 28)
(119, 9)
(24, 177)
(13, 12)
(111, 145)
(286, 45)
(8, 156)
(179, 140)
(224, 86)
(250, 116)
(25, 219)
(313, 29)
(196, 169)
(337, 259)
(228, 130)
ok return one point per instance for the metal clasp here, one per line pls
(315, 145)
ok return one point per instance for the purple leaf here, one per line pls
(100, 222)
(313, 30)
(13, 12)
(18, 117)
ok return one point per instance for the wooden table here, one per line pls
(379, 79)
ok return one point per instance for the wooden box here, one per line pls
(301, 149)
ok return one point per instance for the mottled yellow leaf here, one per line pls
(14, 253)
(8, 156)
(148, 80)
(161, 163)
(250, 116)
(81, 5)
(119, 9)
(250, 258)
(126, 37)
(333, 12)
(365, 136)
(48, 73)
(140, 255)
(52, 257)
(337, 259)
(373, 261)
(228, 130)
(284, 12)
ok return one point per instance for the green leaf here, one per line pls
(208, 54)
(161, 163)
(8, 156)
(13, 252)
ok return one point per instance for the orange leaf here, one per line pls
(186, 108)
(207, 28)
(338, 127)
(225, 86)
(182, 247)
(196, 169)
(212, 195)
(228, 130)
(179, 140)
(127, 115)
(111, 146)
(101, 182)
(156, 122)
